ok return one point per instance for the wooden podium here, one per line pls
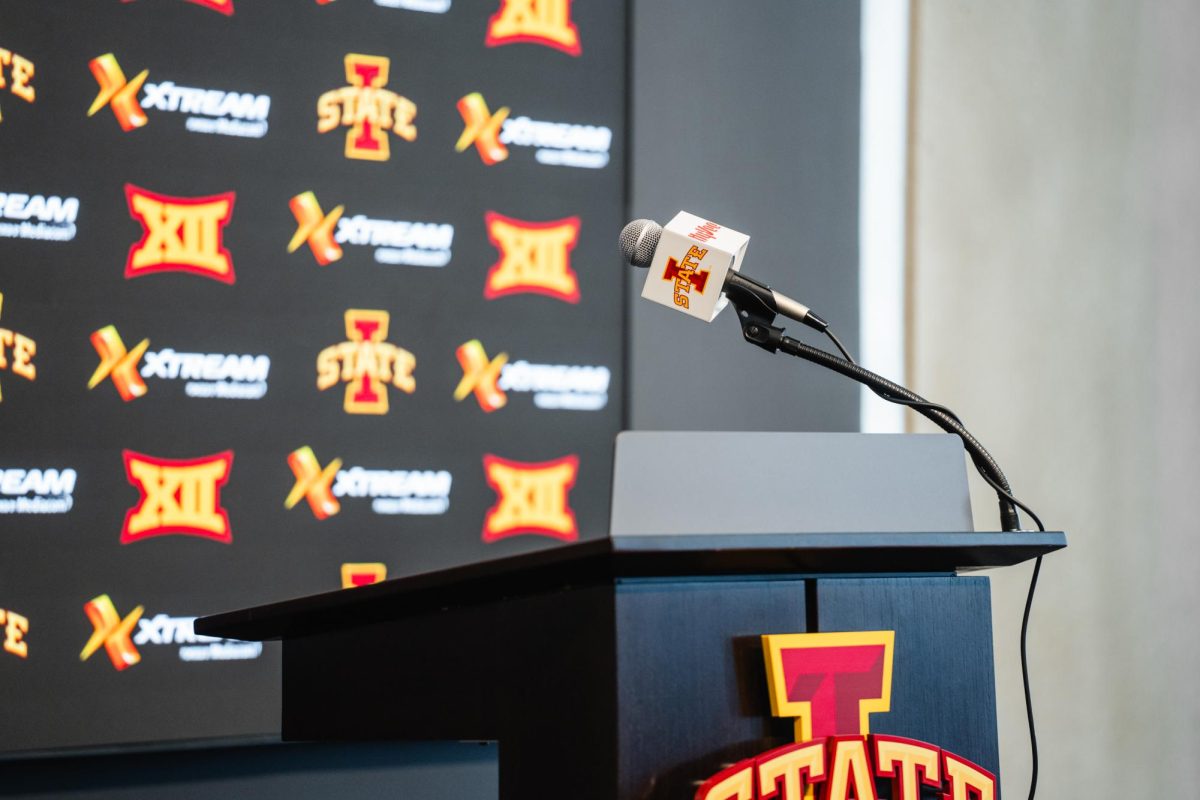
(632, 666)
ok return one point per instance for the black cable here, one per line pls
(1037, 565)
(884, 395)
(1008, 496)
(947, 422)
(838, 344)
(926, 405)
(1037, 568)
(1033, 747)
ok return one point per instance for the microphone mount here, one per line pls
(755, 312)
(758, 294)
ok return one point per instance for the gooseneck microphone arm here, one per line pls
(756, 313)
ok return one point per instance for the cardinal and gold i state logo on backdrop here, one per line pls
(370, 111)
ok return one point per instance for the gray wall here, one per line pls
(747, 113)
(1056, 243)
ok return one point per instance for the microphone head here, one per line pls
(639, 240)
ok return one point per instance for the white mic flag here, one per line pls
(690, 265)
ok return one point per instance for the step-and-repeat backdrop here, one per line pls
(294, 295)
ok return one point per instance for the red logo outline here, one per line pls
(225, 275)
(568, 35)
(499, 284)
(131, 459)
(497, 471)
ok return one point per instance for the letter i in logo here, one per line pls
(829, 683)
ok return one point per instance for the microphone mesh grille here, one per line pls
(639, 240)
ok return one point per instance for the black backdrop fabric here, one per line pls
(289, 308)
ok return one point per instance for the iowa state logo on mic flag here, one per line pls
(690, 264)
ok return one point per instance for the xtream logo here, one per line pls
(211, 375)
(428, 6)
(44, 217)
(392, 491)
(36, 491)
(166, 630)
(397, 491)
(553, 386)
(214, 111)
(570, 387)
(417, 244)
(218, 376)
(558, 143)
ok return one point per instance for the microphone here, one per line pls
(694, 264)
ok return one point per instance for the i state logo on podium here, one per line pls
(830, 684)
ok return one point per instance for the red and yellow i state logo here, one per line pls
(366, 363)
(20, 76)
(687, 275)
(14, 627)
(830, 684)
(356, 574)
(16, 352)
(369, 110)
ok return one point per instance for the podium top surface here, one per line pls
(615, 558)
(718, 482)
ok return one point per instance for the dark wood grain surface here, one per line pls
(635, 556)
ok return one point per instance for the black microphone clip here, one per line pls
(757, 305)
